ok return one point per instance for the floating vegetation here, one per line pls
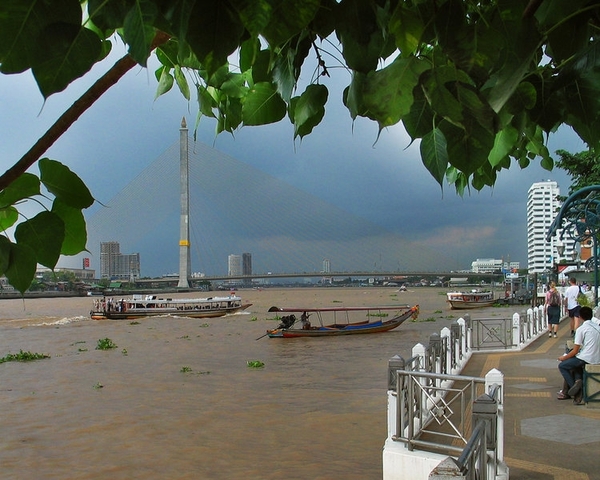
(81, 349)
(438, 311)
(124, 352)
(189, 370)
(23, 357)
(254, 319)
(135, 322)
(380, 314)
(98, 386)
(204, 325)
(255, 364)
(105, 344)
(417, 320)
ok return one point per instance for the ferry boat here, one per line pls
(140, 306)
(472, 299)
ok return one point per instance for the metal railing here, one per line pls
(435, 409)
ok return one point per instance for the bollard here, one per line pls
(485, 408)
(435, 344)
(394, 364)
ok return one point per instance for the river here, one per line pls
(176, 398)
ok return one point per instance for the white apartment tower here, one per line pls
(542, 207)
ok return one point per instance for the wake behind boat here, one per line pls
(293, 327)
(473, 299)
(139, 306)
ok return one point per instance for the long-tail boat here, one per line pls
(342, 322)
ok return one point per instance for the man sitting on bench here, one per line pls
(586, 349)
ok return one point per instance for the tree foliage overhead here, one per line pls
(582, 167)
(479, 83)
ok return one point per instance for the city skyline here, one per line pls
(349, 165)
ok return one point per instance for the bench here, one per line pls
(591, 383)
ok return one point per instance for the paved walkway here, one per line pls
(545, 438)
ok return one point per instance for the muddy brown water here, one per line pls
(176, 398)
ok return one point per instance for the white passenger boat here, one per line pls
(139, 306)
(473, 299)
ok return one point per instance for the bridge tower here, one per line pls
(184, 226)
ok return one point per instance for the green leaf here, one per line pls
(21, 25)
(206, 101)
(388, 94)
(262, 105)
(213, 33)
(434, 154)
(442, 100)
(5, 246)
(309, 109)
(64, 184)
(182, 83)
(358, 31)
(68, 52)
(25, 186)
(21, 267)
(75, 237)
(138, 30)
(165, 83)
(8, 217)
(44, 233)
(420, 119)
(288, 18)
(503, 145)
(407, 28)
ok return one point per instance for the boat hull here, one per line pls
(102, 315)
(360, 328)
(463, 305)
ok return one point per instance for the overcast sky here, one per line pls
(341, 163)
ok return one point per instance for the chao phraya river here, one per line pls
(176, 399)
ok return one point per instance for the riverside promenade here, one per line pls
(545, 438)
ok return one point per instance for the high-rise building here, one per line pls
(326, 266)
(247, 266)
(115, 265)
(234, 265)
(542, 208)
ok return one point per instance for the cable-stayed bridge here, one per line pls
(236, 208)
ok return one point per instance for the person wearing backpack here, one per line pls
(552, 306)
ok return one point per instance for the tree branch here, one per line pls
(70, 116)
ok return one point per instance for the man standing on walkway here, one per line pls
(572, 305)
(586, 349)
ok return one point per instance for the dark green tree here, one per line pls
(480, 84)
(582, 167)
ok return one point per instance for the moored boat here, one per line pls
(139, 306)
(473, 299)
(343, 324)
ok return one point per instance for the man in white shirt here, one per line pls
(572, 305)
(586, 349)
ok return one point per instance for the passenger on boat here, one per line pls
(305, 321)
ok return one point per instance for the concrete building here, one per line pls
(542, 207)
(493, 265)
(326, 266)
(234, 265)
(115, 265)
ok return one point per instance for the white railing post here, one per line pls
(516, 329)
